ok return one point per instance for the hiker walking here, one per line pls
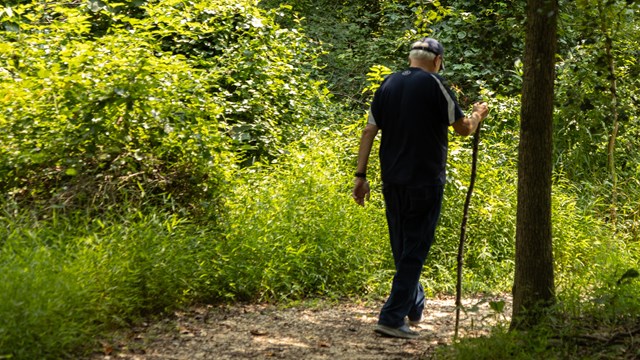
(413, 108)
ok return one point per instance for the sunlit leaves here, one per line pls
(584, 121)
(375, 76)
(106, 92)
(111, 112)
(264, 75)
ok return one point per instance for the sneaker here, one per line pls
(402, 332)
(414, 322)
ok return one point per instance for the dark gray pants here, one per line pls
(412, 216)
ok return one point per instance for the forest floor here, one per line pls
(316, 329)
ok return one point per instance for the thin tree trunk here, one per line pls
(534, 277)
(608, 44)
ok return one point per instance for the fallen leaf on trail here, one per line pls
(107, 349)
(337, 331)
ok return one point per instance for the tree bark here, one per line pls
(533, 287)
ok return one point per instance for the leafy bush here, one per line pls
(90, 122)
(592, 86)
(354, 36)
(265, 77)
(150, 108)
(483, 42)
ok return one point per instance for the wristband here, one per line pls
(361, 175)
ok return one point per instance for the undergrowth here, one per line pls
(289, 231)
(598, 324)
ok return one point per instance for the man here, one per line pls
(413, 109)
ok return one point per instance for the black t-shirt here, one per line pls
(414, 108)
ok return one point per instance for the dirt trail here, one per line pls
(316, 330)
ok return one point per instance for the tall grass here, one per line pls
(290, 230)
(293, 230)
(67, 278)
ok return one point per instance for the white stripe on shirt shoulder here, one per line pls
(451, 105)
(371, 120)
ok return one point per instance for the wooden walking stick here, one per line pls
(463, 226)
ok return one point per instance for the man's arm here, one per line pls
(467, 125)
(361, 186)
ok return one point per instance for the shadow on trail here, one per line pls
(318, 330)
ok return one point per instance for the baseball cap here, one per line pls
(431, 45)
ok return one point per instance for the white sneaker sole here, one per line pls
(398, 333)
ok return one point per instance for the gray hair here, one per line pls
(418, 54)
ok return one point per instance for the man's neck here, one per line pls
(423, 65)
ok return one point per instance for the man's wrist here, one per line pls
(360, 174)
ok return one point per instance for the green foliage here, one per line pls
(593, 323)
(147, 108)
(295, 232)
(309, 220)
(483, 42)
(92, 122)
(354, 35)
(265, 77)
(491, 227)
(502, 345)
(375, 77)
(584, 121)
(41, 304)
(580, 239)
(120, 121)
(68, 278)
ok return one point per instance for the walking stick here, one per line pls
(463, 226)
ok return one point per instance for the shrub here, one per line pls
(152, 105)
(94, 121)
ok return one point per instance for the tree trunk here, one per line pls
(607, 31)
(533, 287)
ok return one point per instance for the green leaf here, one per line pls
(497, 306)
